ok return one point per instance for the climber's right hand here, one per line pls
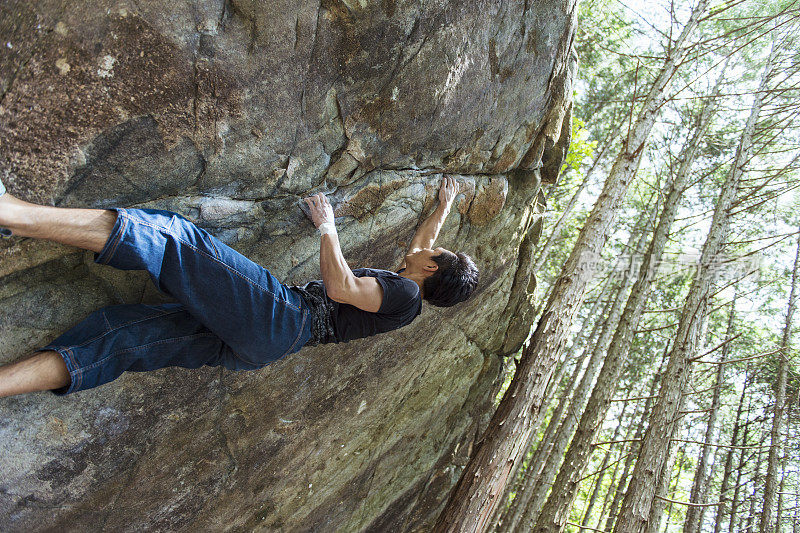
(320, 209)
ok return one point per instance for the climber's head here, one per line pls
(450, 277)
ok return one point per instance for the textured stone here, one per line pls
(229, 113)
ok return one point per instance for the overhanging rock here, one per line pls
(229, 113)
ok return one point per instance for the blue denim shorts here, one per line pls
(230, 312)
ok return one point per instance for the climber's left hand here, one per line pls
(448, 190)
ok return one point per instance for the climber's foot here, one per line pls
(3, 231)
(10, 213)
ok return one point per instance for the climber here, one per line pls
(230, 311)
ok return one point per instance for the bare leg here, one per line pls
(84, 228)
(39, 372)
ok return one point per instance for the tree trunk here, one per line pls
(629, 434)
(634, 445)
(726, 475)
(587, 513)
(749, 528)
(777, 416)
(657, 511)
(639, 496)
(792, 402)
(586, 335)
(796, 516)
(700, 483)
(527, 477)
(715, 460)
(739, 470)
(472, 501)
(566, 425)
(779, 512)
(522, 480)
(502, 513)
(514, 513)
(602, 472)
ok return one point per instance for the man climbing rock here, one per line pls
(230, 311)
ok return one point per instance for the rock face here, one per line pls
(229, 112)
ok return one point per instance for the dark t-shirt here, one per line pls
(338, 322)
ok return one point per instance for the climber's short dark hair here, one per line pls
(453, 282)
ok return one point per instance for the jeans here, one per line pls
(230, 311)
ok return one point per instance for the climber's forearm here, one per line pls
(429, 229)
(337, 277)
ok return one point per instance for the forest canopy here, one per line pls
(666, 287)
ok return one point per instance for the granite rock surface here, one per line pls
(229, 112)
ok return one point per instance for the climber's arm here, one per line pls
(428, 231)
(340, 283)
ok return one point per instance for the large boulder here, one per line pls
(229, 112)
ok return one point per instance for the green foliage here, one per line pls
(581, 149)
